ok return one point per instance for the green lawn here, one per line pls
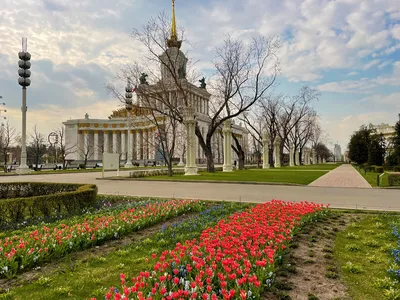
(77, 171)
(371, 177)
(281, 175)
(312, 167)
(363, 253)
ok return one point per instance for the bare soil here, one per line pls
(83, 255)
(308, 271)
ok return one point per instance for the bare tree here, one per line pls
(8, 137)
(37, 147)
(243, 75)
(65, 148)
(294, 111)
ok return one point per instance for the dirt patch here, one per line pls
(83, 255)
(308, 271)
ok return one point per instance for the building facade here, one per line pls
(337, 153)
(139, 139)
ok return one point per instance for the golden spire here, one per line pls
(173, 41)
(174, 36)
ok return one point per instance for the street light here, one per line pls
(128, 105)
(2, 110)
(24, 81)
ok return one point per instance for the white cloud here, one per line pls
(352, 74)
(396, 31)
(364, 85)
(393, 99)
(371, 64)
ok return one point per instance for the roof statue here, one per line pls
(143, 79)
(203, 83)
(173, 40)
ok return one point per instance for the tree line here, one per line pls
(366, 146)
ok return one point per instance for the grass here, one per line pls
(326, 167)
(363, 253)
(44, 172)
(253, 175)
(371, 178)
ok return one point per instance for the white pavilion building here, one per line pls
(91, 137)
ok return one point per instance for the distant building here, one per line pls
(386, 130)
(337, 152)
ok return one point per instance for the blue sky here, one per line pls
(348, 49)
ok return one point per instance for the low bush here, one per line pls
(394, 179)
(23, 200)
(396, 168)
(379, 169)
(163, 172)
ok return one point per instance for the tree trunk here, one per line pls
(241, 159)
(5, 163)
(210, 160)
(170, 171)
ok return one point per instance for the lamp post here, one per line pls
(128, 105)
(24, 81)
(2, 104)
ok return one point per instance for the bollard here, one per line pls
(377, 179)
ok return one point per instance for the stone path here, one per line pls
(342, 176)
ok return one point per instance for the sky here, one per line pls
(348, 49)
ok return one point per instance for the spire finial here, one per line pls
(173, 24)
(173, 41)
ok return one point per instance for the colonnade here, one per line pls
(142, 143)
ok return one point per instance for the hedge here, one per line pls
(394, 179)
(163, 172)
(379, 169)
(23, 200)
(396, 168)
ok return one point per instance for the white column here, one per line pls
(277, 155)
(106, 142)
(227, 131)
(115, 142)
(291, 154)
(123, 145)
(265, 150)
(80, 145)
(96, 145)
(297, 158)
(190, 122)
(86, 144)
(313, 156)
(324, 160)
(130, 145)
(138, 145)
(306, 156)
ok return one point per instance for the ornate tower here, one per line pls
(173, 60)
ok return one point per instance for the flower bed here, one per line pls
(232, 260)
(31, 248)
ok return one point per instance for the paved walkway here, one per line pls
(343, 176)
(375, 199)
